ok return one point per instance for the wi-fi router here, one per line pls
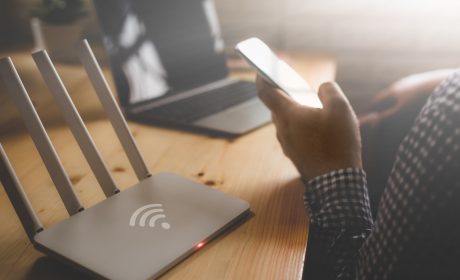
(136, 234)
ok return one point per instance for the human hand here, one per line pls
(401, 94)
(317, 141)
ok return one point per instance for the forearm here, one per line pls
(426, 82)
(340, 221)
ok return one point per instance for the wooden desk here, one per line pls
(270, 245)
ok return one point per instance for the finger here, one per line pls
(381, 96)
(389, 112)
(275, 120)
(383, 101)
(282, 141)
(332, 96)
(371, 119)
(281, 127)
(375, 118)
(276, 100)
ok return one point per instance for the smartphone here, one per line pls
(277, 72)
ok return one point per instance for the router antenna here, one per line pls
(35, 127)
(18, 198)
(73, 119)
(112, 110)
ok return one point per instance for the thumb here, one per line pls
(332, 97)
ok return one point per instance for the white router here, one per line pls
(136, 234)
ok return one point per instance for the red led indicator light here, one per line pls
(199, 245)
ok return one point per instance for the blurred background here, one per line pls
(374, 42)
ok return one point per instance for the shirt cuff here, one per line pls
(338, 199)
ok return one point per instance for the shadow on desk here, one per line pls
(49, 268)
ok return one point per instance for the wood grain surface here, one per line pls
(269, 245)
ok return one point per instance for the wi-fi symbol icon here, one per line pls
(148, 215)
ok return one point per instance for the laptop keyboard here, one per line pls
(202, 105)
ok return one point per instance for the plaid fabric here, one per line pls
(339, 199)
(416, 234)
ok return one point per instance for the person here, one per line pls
(390, 115)
(415, 234)
(402, 94)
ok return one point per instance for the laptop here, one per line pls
(169, 67)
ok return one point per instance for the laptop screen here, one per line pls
(161, 47)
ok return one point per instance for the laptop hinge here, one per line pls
(182, 95)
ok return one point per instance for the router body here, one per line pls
(135, 234)
(111, 240)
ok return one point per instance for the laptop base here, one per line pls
(229, 123)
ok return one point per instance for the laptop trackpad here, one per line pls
(238, 119)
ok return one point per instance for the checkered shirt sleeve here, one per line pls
(416, 232)
(340, 220)
(339, 199)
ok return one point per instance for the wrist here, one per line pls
(348, 156)
(310, 173)
(315, 182)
